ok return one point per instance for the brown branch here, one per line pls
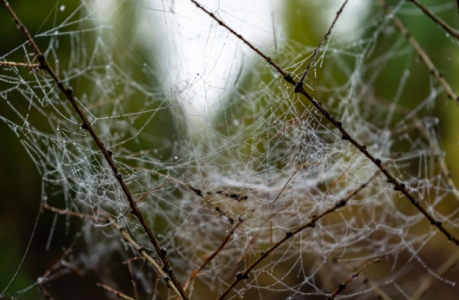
(117, 293)
(344, 284)
(436, 19)
(162, 271)
(298, 88)
(218, 250)
(133, 282)
(312, 223)
(451, 262)
(198, 192)
(69, 93)
(417, 47)
(18, 64)
(324, 39)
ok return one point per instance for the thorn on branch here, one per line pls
(242, 275)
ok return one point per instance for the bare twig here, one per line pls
(117, 293)
(451, 262)
(69, 93)
(398, 186)
(436, 19)
(312, 223)
(18, 64)
(344, 284)
(422, 54)
(324, 39)
(162, 271)
(374, 286)
(214, 254)
(133, 281)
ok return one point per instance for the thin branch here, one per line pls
(417, 47)
(165, 273)
(436, 19)
(198, 192)
(133, 282)
(324, 39)
(344, 284)
(18, 64)
(312, 223)
(451, 262)
(117, 293)
(288, 181)
(214, 254)
(375, 287)
(398, 186)
(69, 93)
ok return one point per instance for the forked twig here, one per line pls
(312, 223)
(18, 64)
(417, 47)
(398, 186)
(214, 254)
(117, 293)
(451, 262)
(436, 19)
(69, 93)
(165, 273)
(344, 284)
(324, 39)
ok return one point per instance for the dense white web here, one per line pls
(207, 134)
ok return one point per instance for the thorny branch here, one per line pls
(398, 186)
(69, 93)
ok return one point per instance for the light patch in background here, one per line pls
(352, 17)
(201, 60)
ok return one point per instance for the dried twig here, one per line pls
(133, 281)
(312, 223)
(18, 64)
(398, 186)
(422, 54)
(214, 254)
(324, 39)
(343, 284)
(451, 262)
(436, 19)
(69, 93)
(117, 293)
(162, 271)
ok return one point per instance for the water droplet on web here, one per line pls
(56, 32)
(236, 122)
(58, 128)
(62, 8)
(176, 157)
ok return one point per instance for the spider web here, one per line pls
(207, 135)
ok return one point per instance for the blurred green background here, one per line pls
(20, 182)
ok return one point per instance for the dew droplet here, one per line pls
(62, 8)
